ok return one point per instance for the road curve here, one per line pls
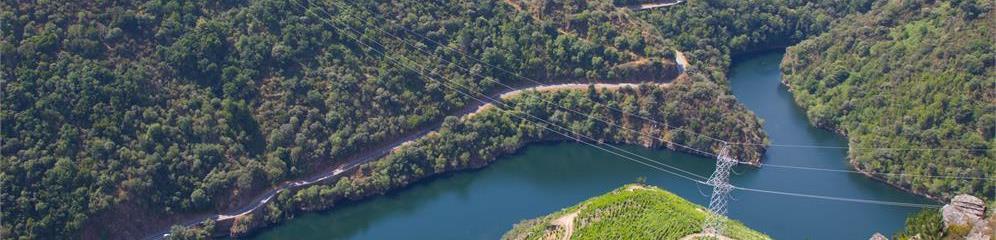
(383, 149)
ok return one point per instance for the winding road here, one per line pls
(380, 150)
(647, 6)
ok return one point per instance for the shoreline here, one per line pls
(854, 165)
(853, 162)
(477, 164)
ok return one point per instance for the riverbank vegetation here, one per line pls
(926, 224)
(929, 224)
(631, 212)
(911, 85)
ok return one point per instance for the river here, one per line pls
(543, 178)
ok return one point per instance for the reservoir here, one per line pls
(543, 178)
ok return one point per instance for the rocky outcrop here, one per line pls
(878, 236)
(969, 204)
(968, 210)
(963, 210)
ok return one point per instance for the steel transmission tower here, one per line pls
(719, 180)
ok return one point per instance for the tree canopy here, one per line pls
(912, 88)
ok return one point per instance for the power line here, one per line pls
(874, 173)
(626, 157)
(870, 148)
(890, 203)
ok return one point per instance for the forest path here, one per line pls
(560, 87)
(567, 223)
(696, 236)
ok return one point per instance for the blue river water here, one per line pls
(543, 178)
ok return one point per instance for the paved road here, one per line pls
(379, 151)
(646, 6)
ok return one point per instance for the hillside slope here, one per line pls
(631, 212)
(913, 77)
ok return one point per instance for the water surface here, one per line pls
(544, 178)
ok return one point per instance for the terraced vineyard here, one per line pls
(630, 212)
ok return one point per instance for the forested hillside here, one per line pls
(180, 106)
(911, 85)
(633, 211)
(165, 108)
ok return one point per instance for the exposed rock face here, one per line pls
(970, 204)
(878, 236)
(963, 210)
(980, 231)
(968, 210)
(953, 216)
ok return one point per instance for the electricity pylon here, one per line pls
(720, 182)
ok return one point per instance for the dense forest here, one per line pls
(634, 211)
(912, 88)
(181, 106)
(162, 108)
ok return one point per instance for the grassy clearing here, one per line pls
(629, 213)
